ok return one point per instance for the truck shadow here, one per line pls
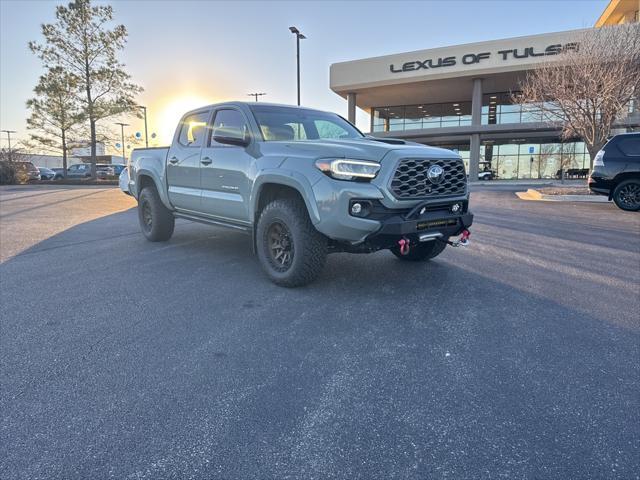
(445, 355)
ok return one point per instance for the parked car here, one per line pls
(26, 171)
(79, 170)
(59, 173)
(616, 171)
(104, 170)
(303, 183)
(46, 173)
(83, 170)
(117, 168)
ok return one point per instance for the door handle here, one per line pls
(206, 161)
(173, 160)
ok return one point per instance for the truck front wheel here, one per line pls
(291, 251)
(422, 251)
(156, 220)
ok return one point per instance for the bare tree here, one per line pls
(16, 154)
(80, 42)
(589, 86)
(10, 170)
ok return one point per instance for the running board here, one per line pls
(208, 221)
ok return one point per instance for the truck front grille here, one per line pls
(410, 179)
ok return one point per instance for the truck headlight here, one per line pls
(348, 169)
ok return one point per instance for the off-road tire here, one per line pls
(156, 220)
(623, 189)
(422, 251)
(308, 247)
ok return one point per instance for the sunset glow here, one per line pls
(171, 110)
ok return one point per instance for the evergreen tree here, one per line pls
(55, 111)
(80, 43)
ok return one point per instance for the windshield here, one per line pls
(295, 124)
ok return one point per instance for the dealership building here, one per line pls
(462, 98)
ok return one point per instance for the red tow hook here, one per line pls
(463, 241)
(464, 238)
(403, 243)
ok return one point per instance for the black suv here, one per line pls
(616, 171)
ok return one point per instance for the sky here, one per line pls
(191, 53)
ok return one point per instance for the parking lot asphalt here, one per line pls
(517, 357)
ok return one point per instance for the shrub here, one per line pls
(7, 174)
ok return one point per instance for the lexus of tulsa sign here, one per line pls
(473, 58)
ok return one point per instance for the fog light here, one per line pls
(356, 208)
(456, 207)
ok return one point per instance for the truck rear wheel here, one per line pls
(291, 251)
(627, 195)
(156, 220)
(422, 251)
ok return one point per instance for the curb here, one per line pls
(535, 195)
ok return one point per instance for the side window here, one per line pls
(193, 130)
(630, 146)
(228, 122)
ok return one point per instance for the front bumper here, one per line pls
(429, 224)
(389, 218)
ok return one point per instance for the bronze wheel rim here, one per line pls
(279, 246)
(147, 216)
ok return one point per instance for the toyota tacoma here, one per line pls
(303, 183)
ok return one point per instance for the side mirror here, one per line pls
(231, 136)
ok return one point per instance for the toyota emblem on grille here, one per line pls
(435, 174)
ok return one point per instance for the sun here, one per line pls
(171, 110)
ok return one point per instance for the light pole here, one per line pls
(256, 95)
(9, 132)
(122, 125)
(299, 36)
(146, 135)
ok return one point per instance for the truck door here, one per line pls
(227, 170)
(183, 162)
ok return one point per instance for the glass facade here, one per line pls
(525, 159)
(497, 108)
(417, 117)
(500, 108)
(505, 159)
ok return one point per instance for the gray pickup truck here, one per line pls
(303, 183)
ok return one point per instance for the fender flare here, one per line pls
(288, 178)
(158, 182)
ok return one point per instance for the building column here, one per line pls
(476, 121)
(474, 157)
(351, 107)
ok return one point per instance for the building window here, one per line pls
(527, 159)
(502, 108)
(417, 117)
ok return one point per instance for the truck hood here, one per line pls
(359, 148)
